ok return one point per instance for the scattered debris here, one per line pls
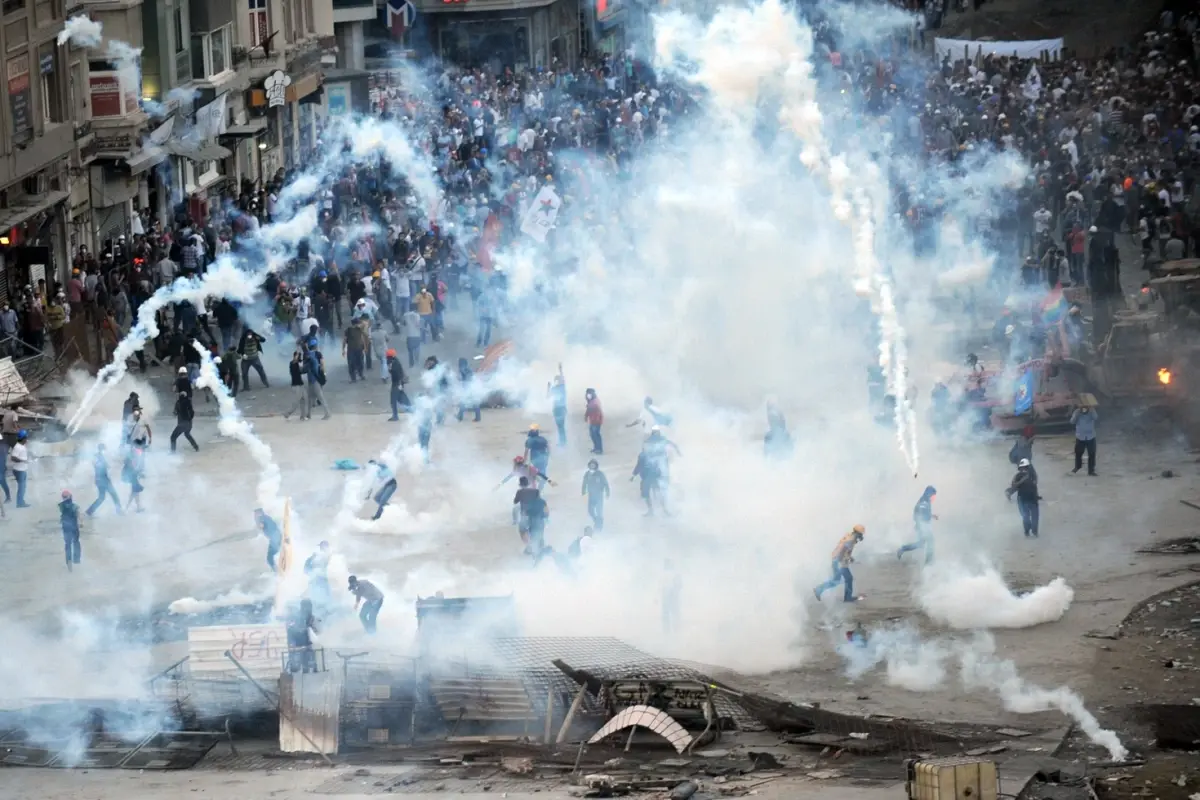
(1013, 733)
(517, 765)
(684, 790)
(712, 753)
(763, 761)
(1167, 473)
(985, 751)
(825, 774)
(1185, 545)
(674, 763)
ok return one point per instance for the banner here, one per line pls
(958, 49)
(539, 217)
(1025, 389)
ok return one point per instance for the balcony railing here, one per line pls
(183, 66)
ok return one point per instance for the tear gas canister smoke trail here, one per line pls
(231, 423)
(744, 49)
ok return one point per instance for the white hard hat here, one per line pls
(655, 429)
(1024, 462)
(216, 359)
(1010, 330)
(182, 371)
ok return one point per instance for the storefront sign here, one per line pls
(337, 96)
(19, 99)
(276, 86)
(46, 63)
(105, 91)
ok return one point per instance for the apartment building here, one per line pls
(199, 121)
(36, 140)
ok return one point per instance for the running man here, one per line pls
(923, 517)
(843, 556)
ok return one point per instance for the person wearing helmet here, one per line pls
(18, 456)
(523, 469)
(595, 489)
(593, 415)
(537, 448)
(843, 556)
(68, 518)
(923, 517)
(557, 392)
(250, 349)
(182, 384)
(1025, 486)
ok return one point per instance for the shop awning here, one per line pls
(199, 152)
(15, 215)
(146, 159)
(252, 128)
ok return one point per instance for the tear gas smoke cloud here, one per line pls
(964, 601)
(84, 32)
(917, 665)
(234, 425)
(735, 57)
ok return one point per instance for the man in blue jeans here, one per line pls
(19, 457)
(104, 484)
(386, 481)
(923, 517)
(558, 401)
(843, 555)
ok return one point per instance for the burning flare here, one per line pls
(1164, 376)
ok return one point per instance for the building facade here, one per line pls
(522, 34)
(190, 121)
(36, 141)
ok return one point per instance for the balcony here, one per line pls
(353, 10)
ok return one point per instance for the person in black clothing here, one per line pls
(182, 384)
(398, 396)
(227, 317)
(296, 370)
(184, 414)
(68, 514)
(300, 625)
(333, 287)
(370, 598)
(1025, 487)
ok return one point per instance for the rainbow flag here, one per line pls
(1054, 307)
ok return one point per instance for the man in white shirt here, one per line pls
(19, 457)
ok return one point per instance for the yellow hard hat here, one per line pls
(859, 529)
(533, 426)
(375, 274)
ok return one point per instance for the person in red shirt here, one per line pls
(1076, 244)
(594, 416)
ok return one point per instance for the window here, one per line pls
(309, 20)
(13, 6)
(291, 18)
(260, 25)
(218, 50)
(51, 91)
(181, 30)
(210, 53)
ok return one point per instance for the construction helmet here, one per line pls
(860, 530)
(518, 459)
(533, 426)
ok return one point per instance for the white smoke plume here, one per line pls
(747, 51)
(84, 32)
(236, 426)
(983, 600)
(224, 279)
(922, 666)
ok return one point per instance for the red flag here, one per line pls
(487, 241)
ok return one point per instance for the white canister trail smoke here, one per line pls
(740, 52)
(235, 426)
(223, 280)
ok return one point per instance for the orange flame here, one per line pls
(1164, 376)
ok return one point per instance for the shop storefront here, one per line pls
(521, 38)
(286, 99)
